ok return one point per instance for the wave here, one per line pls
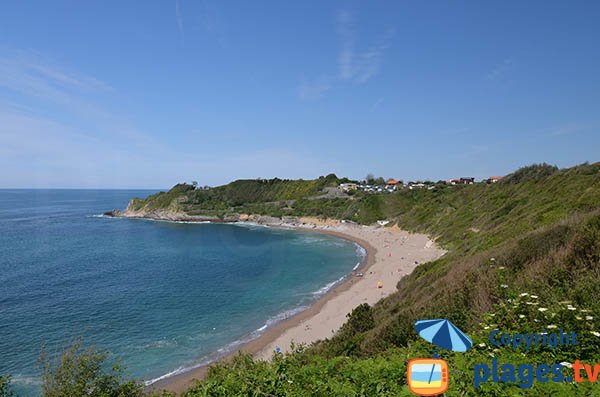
(186, 222)
(271, 322)
(326, 288)
(251, 225)
(225, 350)
(360, 251)
(26, 380)
(147, 219)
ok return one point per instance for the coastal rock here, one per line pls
(290, 220)
(113, 213)
(268, 220)
(231, 218)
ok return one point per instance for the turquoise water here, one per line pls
(160, 296)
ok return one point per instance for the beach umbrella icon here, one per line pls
(443, 334)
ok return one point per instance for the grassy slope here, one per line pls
(238, 196)
(543, 230)
(531, 242)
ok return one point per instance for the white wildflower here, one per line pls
(589, 318)
(501, 267)
(542, 309)
(493, 259)
(521, 316)
(481, 345)
(523, 294)
(503, 286)
(551, 326)
(571, 307)
(534, 296)
(595, 333)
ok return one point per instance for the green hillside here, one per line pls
(523, 256)
(535, 234)
(242, 195)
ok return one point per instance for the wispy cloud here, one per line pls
(354, 64)
(75, 80)
(179, 18)
(59, 129)
(501, 70)
(29, 76)
(314, 89)
(377, 104)
(56, 126)
(345, 30)
(571, 128)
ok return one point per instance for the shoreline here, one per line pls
(181, 382)
(328, 312)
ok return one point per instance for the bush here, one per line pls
(81, 372)
(360, 320)
(530, 173)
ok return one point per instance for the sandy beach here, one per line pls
(392, 253)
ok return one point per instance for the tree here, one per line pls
(379, 181)
(82, 372)
(360, 320)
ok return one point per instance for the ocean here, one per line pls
(162, 297)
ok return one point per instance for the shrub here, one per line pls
(360, 320)
(81, 372)
(5, 390)
(530, 173)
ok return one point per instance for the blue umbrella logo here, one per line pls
(443, 334)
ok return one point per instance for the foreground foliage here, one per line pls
(81, 372)
(530, 242)
(524, 256)
(5, 390)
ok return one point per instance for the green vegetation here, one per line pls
(82, 372)
(535, 234)
(524, 256)
(236, 195)
(5, 390)
(531, 173)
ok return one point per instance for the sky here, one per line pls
(124, 94)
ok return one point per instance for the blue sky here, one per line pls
(146, 94)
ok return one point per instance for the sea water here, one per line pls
(162, 297)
